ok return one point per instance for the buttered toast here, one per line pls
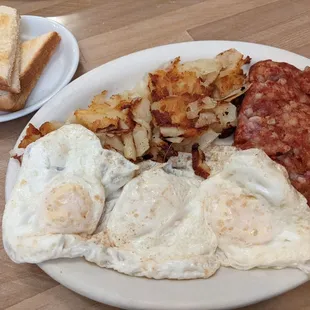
(9, 45)
(35, 55)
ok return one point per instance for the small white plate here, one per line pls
(228, 288)
(59, 70)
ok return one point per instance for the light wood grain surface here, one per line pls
(109, 29)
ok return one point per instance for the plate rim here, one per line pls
(137, 304)
(75, 62)
(123, 303)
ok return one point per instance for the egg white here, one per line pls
(75, 199)
(260, 220)
(59, 196)
(155, 231)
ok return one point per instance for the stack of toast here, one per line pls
(21, 64)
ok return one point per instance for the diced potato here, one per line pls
(199, 162)
(171, 111)
(208, 103)
(173, 82)
(129, 146)
(168, 111)
(175, 140)
(236, 93)
(207, 138)
(232, 61)
(204, 140)
(142, 115)
(228, 84)
(206, 69)
(100, 98)
(105, 110)
(227, 114)
(95, 122)
(32, 134)
(171, 131)
(48, 127)
(140, 137)
(231, 78)
(112, 141)
(205, 119)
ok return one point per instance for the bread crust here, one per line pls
(10, 55)
(15, 84)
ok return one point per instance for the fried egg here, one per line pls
(72, 198)
(60, 194)
(259, 219)
(154, 229)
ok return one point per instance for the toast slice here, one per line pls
(9, 41)
(35, 55)
(15, 85)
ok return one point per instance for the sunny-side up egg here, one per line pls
(260, 220)
(154, 229)
(60, 194)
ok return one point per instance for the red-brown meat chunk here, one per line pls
(268, 70)
(275, 116)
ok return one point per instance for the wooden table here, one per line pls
(109, 29)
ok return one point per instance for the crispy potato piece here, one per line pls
(237, 93)
(140, 137)
(160, 150)
(207, 138)
(204, 139)
(199, 164)
(205, 69)
(226, 113)
(111, 115)
(33, 134)
(175, 139)
(107, 111)
(129, 147)
(100, 98)
(231, 78)
(228, 84)
(194, 108)
(115, 102)
(168, 111)
(121, 121)
(184, 110)
(171, 132)
(171, 111)
(205, 119)
(19, 158)
(142, 115)
(173, 82)
(48, 127)
(232, 61)
(96, 122)
(111, 142)
(141, 110)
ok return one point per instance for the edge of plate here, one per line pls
(124, 303)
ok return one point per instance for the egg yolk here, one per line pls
(67, 206)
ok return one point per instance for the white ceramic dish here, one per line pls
(58, 72)
(228, 288)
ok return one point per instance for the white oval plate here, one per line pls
(228, 288)
(59, 70)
